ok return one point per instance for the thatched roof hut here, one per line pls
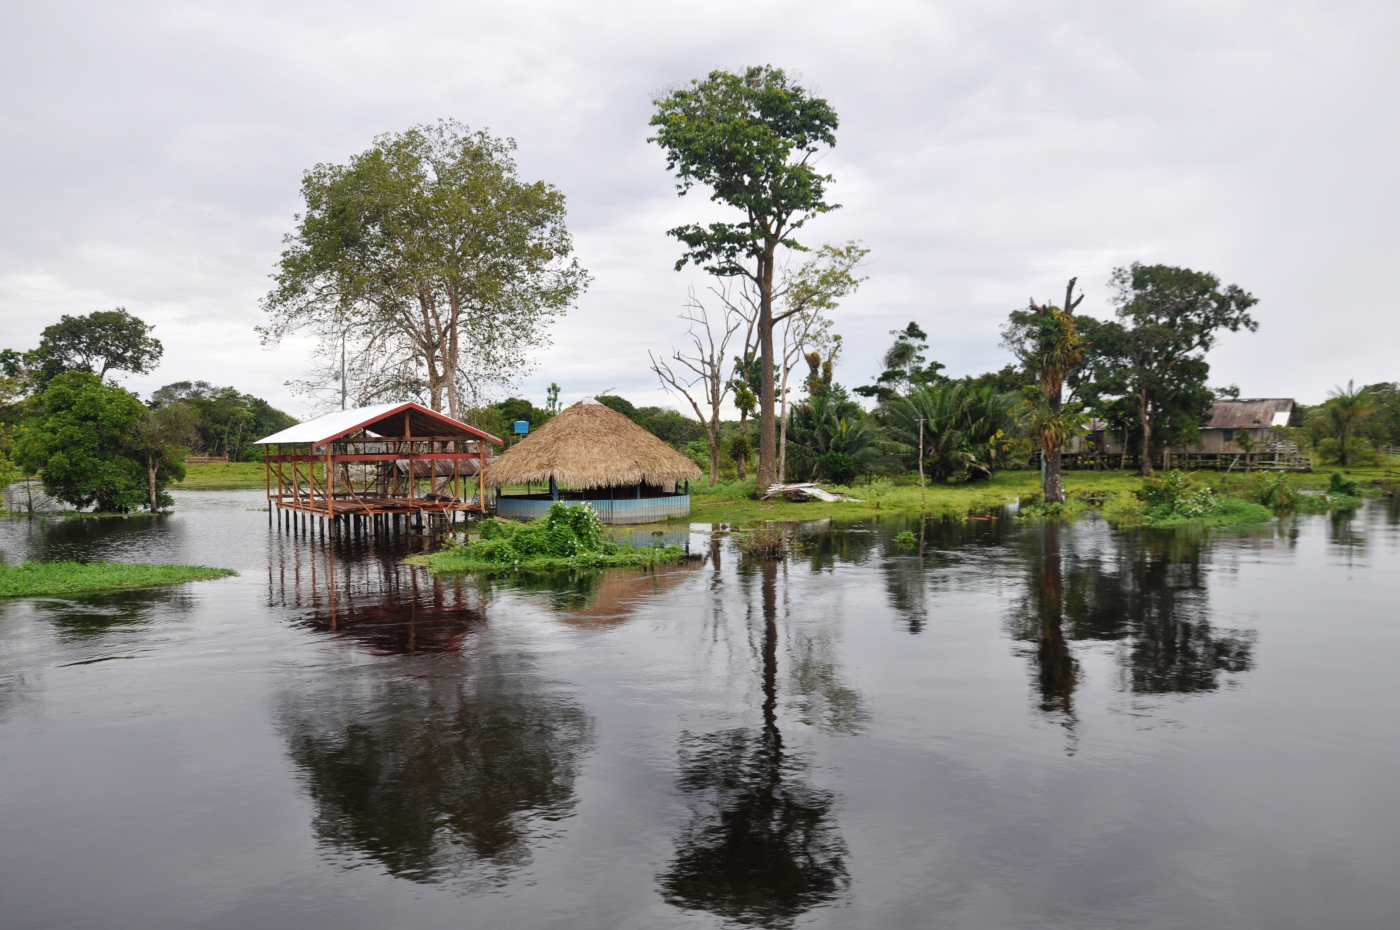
(590, 446)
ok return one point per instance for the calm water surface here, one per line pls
(999, 726)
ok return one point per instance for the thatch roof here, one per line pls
(589, 445)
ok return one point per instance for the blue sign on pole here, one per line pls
(522, 427)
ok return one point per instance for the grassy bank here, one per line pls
(222, 476)
(729, 502)
(38, 579)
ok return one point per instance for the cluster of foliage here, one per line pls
(98, 343)
(666, 424)
(1176, 499)
(1354, 424)
(567, 537)
(95, 444)
(48, 579)
(425, 267)
(226, 421)
(906, 367)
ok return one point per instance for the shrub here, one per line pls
(1338, 484)
(1273, 491)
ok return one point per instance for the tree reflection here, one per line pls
(1146, 590)
(761, 847)
(443, 776)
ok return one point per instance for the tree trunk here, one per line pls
(151, 476)
(742, 462)
(1145, 417)
(767, 427)
(1054, 489)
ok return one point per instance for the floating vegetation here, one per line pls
(41, 579)
(566, 537)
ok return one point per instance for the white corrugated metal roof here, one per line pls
(332, 424)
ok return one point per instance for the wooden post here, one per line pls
(330, 479)
(923, 493)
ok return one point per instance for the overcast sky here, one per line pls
(987, 151)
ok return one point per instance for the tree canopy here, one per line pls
(108, 340)
(1153, 354)
(82, 444)
(429, 264)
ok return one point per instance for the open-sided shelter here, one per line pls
(355, 464)
(590, 452)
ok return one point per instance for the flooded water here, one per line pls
(992, 726)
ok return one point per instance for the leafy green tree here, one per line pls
(906, 368)
(82, 444)
(1343, 412)
(431, 258)
(227, 422)
(751, 139)
(162, 439)
(108, 340)
(1168, 318)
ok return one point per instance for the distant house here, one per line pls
(1226, 423)
(1259, 418)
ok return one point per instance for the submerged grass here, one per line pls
(565, 538)
(38, 579)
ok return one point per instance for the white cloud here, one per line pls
(987, 152)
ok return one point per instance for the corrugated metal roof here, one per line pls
(342, 422)
(1253, 413)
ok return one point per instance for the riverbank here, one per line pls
(731, 502)
(41, 579)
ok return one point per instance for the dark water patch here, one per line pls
(979, 723)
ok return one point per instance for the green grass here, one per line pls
(462, 560)
(220, 476)
(728, 502)
(39, 579)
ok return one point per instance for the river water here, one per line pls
(998, 725)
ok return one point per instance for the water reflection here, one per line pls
(761, 846)
(445, 775)
(1146, 591)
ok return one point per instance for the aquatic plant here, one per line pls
(42, 579)
(566, 537)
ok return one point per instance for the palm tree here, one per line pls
(965, 429)
(1343, 409)
(830, 438)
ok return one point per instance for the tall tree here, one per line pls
(108, 340)
(1047, 341)
(751, 139)
(1168, 318)
(1343, 411)
(432, 259)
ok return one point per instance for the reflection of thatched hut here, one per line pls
(590, 452)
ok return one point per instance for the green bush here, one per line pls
(1272, 491)
(566, 537)
(1339, 484)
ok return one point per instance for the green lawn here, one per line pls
(729, 502)
(38, 579)
(223, 476)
